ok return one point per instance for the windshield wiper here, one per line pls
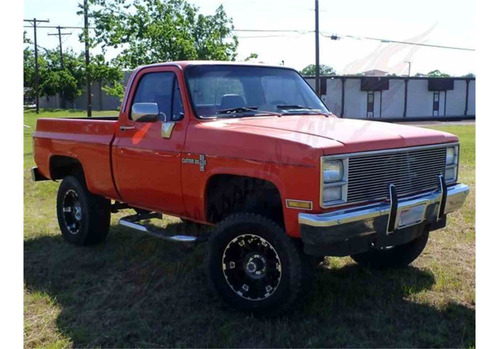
(291, 106)
(237, 110)
(298, 107)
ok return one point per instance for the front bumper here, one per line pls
(355, 230)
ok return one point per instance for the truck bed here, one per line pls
(88, 140)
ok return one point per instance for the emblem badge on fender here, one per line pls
(201, 161)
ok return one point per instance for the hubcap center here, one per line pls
(78, 212)
(256, 265)
(251, 267)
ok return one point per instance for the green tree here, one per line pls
(323, 70)
(437, 74)
(108, 76)
(29, 65)
(70, 81)
(59, 81)
(54, 80)
(151, 31)
(251, 56)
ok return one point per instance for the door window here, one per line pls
(177, 108)
(162, 89)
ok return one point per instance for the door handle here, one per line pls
(125, 128)
(167, 128)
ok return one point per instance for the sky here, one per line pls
(443, 22)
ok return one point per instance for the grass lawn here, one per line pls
(135, 290)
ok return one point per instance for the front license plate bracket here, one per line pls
(411, 216)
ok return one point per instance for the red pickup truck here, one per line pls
(252, 151)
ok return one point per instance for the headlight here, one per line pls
(332, 193)
(451, 155)
(333, 171)
(451, 174)
(333, 181)
(451, 171)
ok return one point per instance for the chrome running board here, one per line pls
(131, 222)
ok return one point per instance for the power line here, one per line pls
(43, 48)
(274, 30)
(303, 31)
(389, 41)
(85, 29)
(60, 43)
(357, 37)
(262, 36)
(64, 41)
(236, 30)
(62, 27)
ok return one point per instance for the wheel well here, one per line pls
(229, 194)
(62, 166)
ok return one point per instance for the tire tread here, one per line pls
(397, 257)
(99, 213)
(298, 266)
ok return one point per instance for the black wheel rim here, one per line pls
(252, 267)
(72, 211)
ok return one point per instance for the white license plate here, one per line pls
(411, 216)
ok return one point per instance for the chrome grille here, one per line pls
(411, 171)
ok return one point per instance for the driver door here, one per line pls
(147, 155)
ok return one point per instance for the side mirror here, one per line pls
(145, 112)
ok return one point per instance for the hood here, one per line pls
(301, 139)
(335, 135)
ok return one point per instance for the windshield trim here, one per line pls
(190, 98)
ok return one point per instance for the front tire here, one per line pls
(83, 217)
(395, 257)
(254, 266)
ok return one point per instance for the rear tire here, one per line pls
(396, 257)
(83, 217)
(255, 267)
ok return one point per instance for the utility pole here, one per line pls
(409, 67)
(37, 77)
(63, 102)
(60, 43)
(87, 56)
(317, 47)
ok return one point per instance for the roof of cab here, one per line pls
(184, 64)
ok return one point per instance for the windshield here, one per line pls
(237, 91)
